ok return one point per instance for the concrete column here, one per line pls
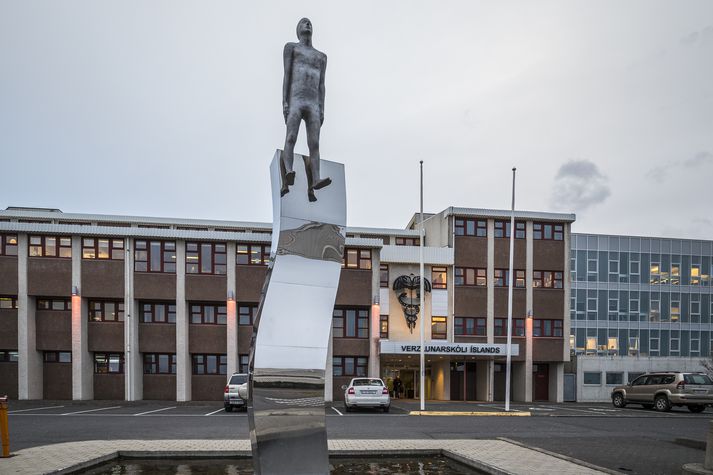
(556, 382)
(183, 355)
(490, 272)
(567, 291)
(232, 313)
(519, 389)
(529, 299)
(374, 356)
(328, 378)
(133, 363)
(29, 364)
(82, 359)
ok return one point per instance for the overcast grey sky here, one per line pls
(168, 108)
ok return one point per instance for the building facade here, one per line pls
(125, 307)
(638, 304)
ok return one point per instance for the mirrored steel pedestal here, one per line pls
(293, 323)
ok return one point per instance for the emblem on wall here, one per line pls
(407, 288)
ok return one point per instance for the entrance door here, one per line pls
(570, 387)
(463, 381)
(540, 382)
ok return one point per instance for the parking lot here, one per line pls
(630, 440)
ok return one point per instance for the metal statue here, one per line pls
(409, 296)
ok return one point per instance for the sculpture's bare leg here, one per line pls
(313, 127)
(288, 154)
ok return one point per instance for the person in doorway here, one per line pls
(398, 387)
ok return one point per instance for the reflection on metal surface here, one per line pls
(292, 326)
(407, 288)
(313, 241)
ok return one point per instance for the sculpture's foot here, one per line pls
(290, 178)
(284, 190)
(310, 195)
(322, 183)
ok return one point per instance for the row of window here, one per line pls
(479, 228)
(476, 326)
(472, 276)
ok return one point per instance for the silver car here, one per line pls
(666, 389)
(366, 392)
(235, 394)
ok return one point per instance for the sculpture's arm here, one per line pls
(321, 90)
(287, 60)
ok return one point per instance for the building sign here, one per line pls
(436, 348)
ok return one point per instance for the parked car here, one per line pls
(236, 392)
(666, 389)
(366, 392)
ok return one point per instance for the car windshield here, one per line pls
(697, 379)
(239, 379)
(367, 382)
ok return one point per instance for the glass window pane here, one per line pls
(155, 256)
(103, 249)
(206, 258)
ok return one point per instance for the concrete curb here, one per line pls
(562, 457)
(471, 413)
(690, 443)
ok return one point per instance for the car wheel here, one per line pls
(647, 406)
(347, 408)
(386, 409)
(696, 408)
(618, 400)
(228, 408)
(662, 404)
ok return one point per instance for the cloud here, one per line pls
(578, 185)
(701, 159)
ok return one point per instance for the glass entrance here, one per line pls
(463, 382)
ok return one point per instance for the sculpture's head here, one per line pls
(304, 28)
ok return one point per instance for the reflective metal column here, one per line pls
(291, 333)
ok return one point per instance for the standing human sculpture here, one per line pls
(303, 99)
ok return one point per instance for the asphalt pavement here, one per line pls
(629, 440)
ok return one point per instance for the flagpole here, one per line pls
(422, 366)
(510, 286)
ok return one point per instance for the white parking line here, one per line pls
(337, 411)
(90, 410)
(34, 409)
(155, 410)
(214, 412)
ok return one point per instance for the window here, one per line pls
(631, 376)
(438, 277)
(675, 274)
(471, 276)
(244, 364)
(59, 305)
(155, 256)
(675, 310)
(518, 327)
(209, 314)
(471, 227)
(439, 328)
(8, 244)
(655, 273)
(157, 312)
(206, 258)
(384, 327)
(8, 356)
(106, 311)
(502, 229)
(544, 279)
(634, 267)
(246, 314)
(8, 302)
(612, 343)
(210, 364)
(159, 363)
(384, 276)
(470, 326)
(591, 345)
(502, 278)
(547, 328)
(592, 377)
(407, 241)
(349, 365)
(50, 246)
(357, 258)
(655, 310)
(548, 231)
(253, 254)
(102, 248)
(109, 363)
(615, 378)
(350, 323)
(58, 357)
(695, 275)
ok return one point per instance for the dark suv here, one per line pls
(666, 389)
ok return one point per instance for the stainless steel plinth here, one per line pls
(292, 327)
